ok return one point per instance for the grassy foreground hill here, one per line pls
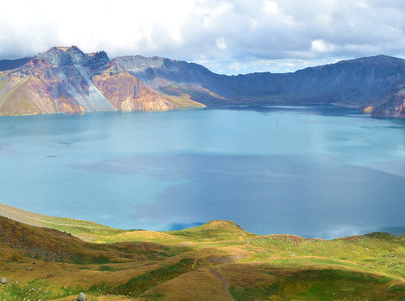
(48, 258)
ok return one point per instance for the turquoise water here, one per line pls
(312, 171)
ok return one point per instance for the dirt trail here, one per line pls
(224, 282)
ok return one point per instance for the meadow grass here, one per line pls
(214, 261)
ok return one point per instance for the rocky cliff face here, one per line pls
(63, 56)
(66, 80)
(177, 78)
(393, 106)
(125, 92)
(365, 83)
(34, 89)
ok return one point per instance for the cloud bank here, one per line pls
(229, 36)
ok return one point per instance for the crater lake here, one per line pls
(313, 171)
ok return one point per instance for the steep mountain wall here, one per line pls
(66, 80)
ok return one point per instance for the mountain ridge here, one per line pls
(366, 83)
(60, 80)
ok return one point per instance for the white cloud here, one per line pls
(321, 46)
(222, 44)
(361, 4)
(237, 66)
(224, 31)
(271, 7)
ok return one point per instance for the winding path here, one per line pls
(217, 274)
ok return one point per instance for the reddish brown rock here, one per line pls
(125, 92)
(66, 80)
(394, 106)
(34, 89)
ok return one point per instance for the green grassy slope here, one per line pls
(215, 261)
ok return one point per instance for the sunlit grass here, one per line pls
(214, 261)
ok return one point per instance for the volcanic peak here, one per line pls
(62, 56)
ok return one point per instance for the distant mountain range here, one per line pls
(66, 80)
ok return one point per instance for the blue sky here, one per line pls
(227, 36)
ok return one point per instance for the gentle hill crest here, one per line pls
(218, 225)
(91, 231)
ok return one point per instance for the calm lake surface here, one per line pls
(312, 171)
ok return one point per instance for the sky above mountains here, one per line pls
(227, 36)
